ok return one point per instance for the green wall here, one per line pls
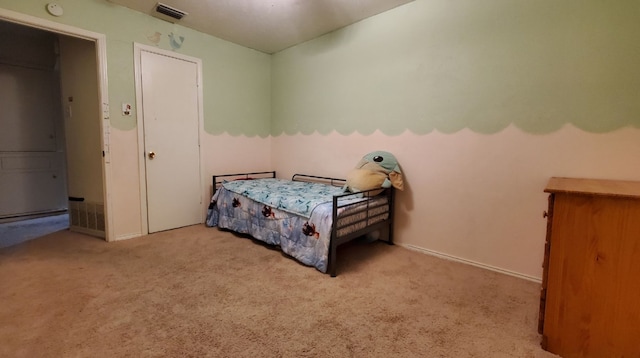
(447, 65)
(236, 79)
(428, 65)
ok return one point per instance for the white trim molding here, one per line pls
(100, 41)
(469, 262)
(127, 236)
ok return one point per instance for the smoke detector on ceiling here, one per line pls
(168, 13)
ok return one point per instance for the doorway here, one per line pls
(32, 141)
(95, 44)
(169, 96)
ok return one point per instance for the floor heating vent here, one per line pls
(87, 217)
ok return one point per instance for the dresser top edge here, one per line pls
(618, 188)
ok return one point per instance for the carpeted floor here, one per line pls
(201, 292)
(15, 232)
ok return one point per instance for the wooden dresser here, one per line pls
(590, 297)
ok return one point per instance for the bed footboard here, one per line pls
(352, 220)
(359, 219)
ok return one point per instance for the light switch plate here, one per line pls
(126, 109)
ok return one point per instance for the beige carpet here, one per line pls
(201, 292)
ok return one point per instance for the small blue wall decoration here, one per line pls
(175, 41)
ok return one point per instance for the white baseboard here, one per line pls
(127, 236)
(84, 230)
(470, 262)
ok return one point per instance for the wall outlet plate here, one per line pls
(55, 9)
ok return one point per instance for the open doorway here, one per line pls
(51, 153)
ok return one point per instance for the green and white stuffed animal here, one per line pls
(377, 169)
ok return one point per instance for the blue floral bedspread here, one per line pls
(297, 216)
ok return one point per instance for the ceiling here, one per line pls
(268, 25)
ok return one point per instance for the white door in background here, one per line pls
(170, 111)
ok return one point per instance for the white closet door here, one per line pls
(171, 141)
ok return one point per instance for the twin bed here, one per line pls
(307, 216)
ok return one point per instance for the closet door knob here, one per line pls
(152, 155)
(545, 214)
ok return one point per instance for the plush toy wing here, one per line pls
(396, 180)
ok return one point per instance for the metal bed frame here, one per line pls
(384, 226)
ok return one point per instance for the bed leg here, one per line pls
(387, 235)
(390, 236)
(332, 260)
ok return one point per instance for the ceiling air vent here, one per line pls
(171, 12)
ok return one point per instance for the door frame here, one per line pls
(138, 49)
(100, 41)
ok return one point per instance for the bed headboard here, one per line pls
(317, 179)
